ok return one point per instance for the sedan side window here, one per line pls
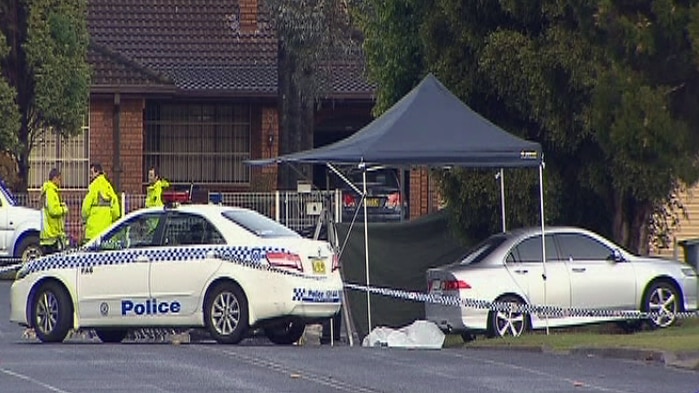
(529, 250)
(136, 232)
(581, 247)
(190, 229)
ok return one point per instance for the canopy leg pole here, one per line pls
(543, 236)
(501, 175)
(366, 251)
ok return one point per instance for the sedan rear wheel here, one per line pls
(503, 323)
(662, 302)
(287, 333)
(226, 313)
(52, 312)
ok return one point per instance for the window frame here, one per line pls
(75, 170)
(204, 143)
(187, 215)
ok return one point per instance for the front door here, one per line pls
(597, 280)
(113, 279)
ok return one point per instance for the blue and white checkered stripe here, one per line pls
(250, 257)
(315, 296)
(551, 311)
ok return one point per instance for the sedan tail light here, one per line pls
(285, 259)
(336, 262)
(393, 200)
(448, 285)
(349, 200)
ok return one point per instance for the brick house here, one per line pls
(191, 87)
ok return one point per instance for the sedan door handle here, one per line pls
(521, 271)
(142, 259)
(579, 269)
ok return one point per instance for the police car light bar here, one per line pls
(176, 197)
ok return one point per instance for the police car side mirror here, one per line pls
(96, 245)
(616, 256)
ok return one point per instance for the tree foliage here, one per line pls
(312, 34)
(394, 53)
(45, 75)
(609, 88)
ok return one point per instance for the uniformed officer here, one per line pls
(53, 236)
(100, 207)
(154, 192)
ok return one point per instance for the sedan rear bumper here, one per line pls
(457, 318)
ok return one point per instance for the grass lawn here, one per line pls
(681, 338)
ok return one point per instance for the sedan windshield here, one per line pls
(258, 224)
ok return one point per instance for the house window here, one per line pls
(70, 155)
(198, 143)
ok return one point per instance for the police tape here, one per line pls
(539, 310)
(228, 254)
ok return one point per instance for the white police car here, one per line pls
(19, 228)
(223, 268)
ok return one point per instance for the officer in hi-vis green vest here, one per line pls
(100, 207)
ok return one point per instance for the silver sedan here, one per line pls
(585, 278)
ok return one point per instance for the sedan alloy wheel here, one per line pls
(52, 313)
(662, 302)
(226, 313)
(503, 323)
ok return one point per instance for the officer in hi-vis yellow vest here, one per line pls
(154, 192)
(53, 236)
(100, 207)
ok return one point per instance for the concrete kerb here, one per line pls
(681, 360)
(688, 361)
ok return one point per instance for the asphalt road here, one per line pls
(84, 366)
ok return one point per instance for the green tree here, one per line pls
(45, 76)
(311, 33)
(607, 87)
(392, 46)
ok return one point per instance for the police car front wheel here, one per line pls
(52, 312)
(226, 313)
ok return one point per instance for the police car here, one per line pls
(226, 269)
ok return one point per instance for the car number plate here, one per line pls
(373, 202)
(319, 266)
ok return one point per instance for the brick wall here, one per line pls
(131, 146)
(101, 136)
(424, 193)
(248, 16)
(265, 138)
(129, 170)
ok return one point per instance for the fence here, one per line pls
(293, 209)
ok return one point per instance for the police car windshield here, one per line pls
(258, 224)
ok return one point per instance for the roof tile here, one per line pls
(196, 45)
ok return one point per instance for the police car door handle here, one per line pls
(578, 269)
(521, 271)
(142, 259)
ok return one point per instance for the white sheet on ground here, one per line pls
(419, 334)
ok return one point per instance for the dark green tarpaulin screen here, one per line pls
(399, 255)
